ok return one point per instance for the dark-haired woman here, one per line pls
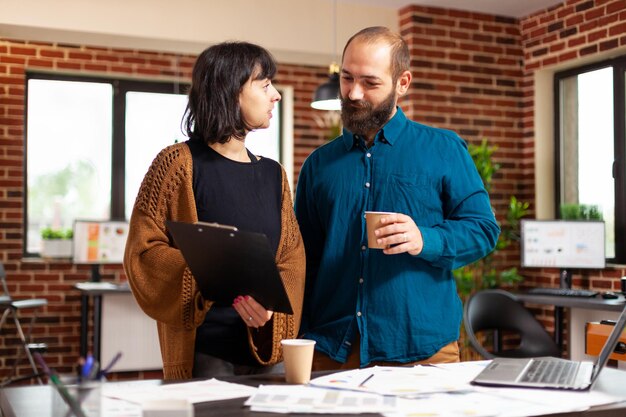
(212, 177)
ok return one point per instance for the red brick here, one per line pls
(576, 41)
(51, 53)
(80, 55)
(557, 47)
(133, 60)
(588, 25)
(39, 63)
(597, 35)
(616, 6)
(18, 50)
(15, 70)
(617, 29)
(96, 67)
(593, 14)
(12, 60)
(550, 61)
(68, 65)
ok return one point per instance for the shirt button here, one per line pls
(358, 314)
(360, 280)
(367, 185)
(363, 247)
(369, 155)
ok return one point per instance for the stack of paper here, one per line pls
(303, 399)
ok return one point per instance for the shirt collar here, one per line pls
(390, 132)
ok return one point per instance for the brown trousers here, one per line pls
(322, 362)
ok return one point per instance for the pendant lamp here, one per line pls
(326, 96)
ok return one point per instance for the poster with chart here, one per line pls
(563, 244)
(99, 242)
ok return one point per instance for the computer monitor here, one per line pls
(99, 242)
(565, 244)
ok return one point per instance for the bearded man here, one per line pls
(398, 305)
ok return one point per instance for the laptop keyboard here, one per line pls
(551, 372)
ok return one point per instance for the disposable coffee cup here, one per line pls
(298, 355)
(372, 220)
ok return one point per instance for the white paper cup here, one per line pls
(372, 220)
(298, 355)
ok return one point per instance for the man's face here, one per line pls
(368, 93)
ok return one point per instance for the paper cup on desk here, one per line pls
(298, 355)
(372, 220)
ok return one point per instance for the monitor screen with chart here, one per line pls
(99, 242)
(563, 244)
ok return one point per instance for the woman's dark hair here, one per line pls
(220, 72)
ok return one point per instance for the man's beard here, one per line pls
(360, 118)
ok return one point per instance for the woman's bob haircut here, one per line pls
(219, 74)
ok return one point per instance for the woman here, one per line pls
(212, 177)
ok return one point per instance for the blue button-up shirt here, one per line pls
(404, 307)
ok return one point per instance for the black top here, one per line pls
(247, 195)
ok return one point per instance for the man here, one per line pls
(398, 305)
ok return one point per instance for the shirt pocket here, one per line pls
(418, 196)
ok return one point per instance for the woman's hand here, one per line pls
(251, 312)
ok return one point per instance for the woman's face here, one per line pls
(256, 101)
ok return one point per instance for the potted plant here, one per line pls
(56, 243)
(580, 212)
(484, 273)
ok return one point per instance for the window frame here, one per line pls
(118, 170)
(618, 65)
(120, 87)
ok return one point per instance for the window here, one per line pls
(590, 146)
(90, 141)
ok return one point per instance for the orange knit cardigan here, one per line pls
(165, 288)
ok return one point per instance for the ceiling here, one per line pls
(511, 8)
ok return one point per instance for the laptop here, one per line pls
(548, 372)
(227, 262)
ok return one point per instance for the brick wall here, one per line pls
(467, 75)
(563, 35)
(58, 323)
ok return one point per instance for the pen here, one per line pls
(104, 371)
(87, 366)
(60, 387)
(366, 379)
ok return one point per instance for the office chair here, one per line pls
(498, 311)
(12, 308)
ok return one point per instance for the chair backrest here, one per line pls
(501, 311)
(5, 296)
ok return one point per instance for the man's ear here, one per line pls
(402, 85)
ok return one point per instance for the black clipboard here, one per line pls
(227, 262)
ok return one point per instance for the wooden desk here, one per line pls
(596, 334)
(38, 400)
(560, 302)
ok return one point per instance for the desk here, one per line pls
(118, 325)
(559, 302)
(37, 400)
(88, 291)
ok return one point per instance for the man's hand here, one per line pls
(400, 231)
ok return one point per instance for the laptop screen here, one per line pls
(610, 344)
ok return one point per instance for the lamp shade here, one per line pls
(327, 95)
